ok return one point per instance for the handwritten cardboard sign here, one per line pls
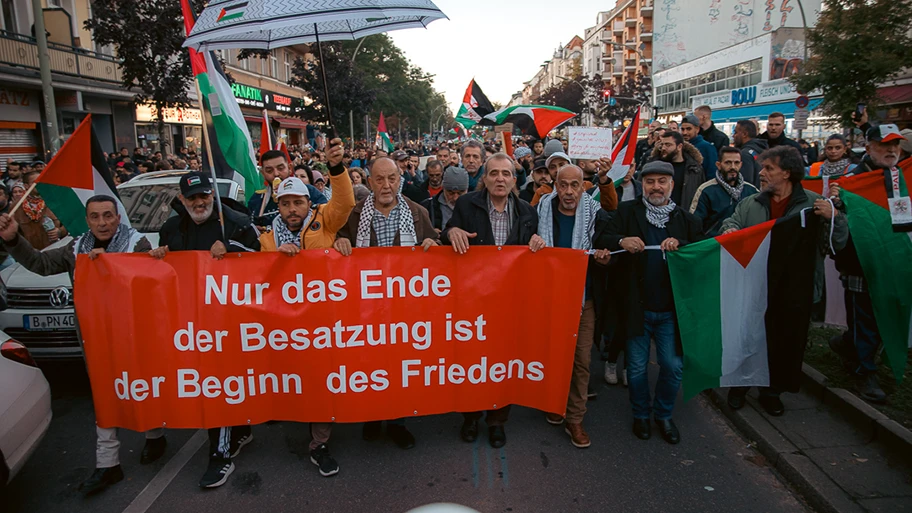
(589, 142)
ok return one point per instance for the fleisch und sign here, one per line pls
(767, 92)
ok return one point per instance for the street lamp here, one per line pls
(351, 114)
(585, 96)
(431, 127)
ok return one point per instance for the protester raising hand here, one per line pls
(335, 153)
(9, 228)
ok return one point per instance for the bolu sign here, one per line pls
(744, 95)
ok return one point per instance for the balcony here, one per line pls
(618, 28)
(645, 33)
(22, 51)
(630, 65)
(631, 21)
(646, 8)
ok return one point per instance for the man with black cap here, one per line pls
(642, 227)
(859, 344)
(407, 182)
(440, 207)
(690, 130)
(197, 228)
(540, 178)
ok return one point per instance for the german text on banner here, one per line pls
(193, 342)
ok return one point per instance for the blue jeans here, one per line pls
(862, 334)
(661, 327)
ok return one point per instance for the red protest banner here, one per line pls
(193, 342)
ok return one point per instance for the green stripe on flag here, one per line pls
(695, 273)
(885, 257)
(66, 205)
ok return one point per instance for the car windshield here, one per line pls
(149, 206)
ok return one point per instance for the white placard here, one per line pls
(801, 119)
(589, 142)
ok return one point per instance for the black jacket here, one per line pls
(637, 188)
(630, 221)
(180, 233)
(715, 136)
(642, 153)
(750, 160)
(528, 192)
(780, 141)
(471, 215)
(432, 205)
(413, 191)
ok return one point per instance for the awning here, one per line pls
(291, 123)
(760, 111)
(895, 94)
(253, 119)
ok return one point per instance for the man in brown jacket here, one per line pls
(386, 219)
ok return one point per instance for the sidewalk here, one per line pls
(841, 454)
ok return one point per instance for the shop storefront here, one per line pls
(280, 108)
(20, 119)
(897, 102)
(183, 129)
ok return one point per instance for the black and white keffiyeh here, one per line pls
(407, 235)
(583, 225)
(124, 240)
(734, 192)
(658, 216)
(283, 235)
(837, 168)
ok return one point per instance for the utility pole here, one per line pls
(51, 136)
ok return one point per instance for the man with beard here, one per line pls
(13, 172)
(782, 195)
(440, 207)
(690, 130)
(686, 162)
(473, 157)
(386, 219)
(106, 235)
(715, 200)
(443, 155)
(263, 206)
(540, 177)
(566, 219)
(751, 147)
(522, 157)
(434, 183)
(647, 309)
(197, 228)
(644, 146)
(858, 346)
(538, 149)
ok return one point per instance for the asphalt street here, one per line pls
(713, 469)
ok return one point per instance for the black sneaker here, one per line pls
(217, 473)
(153, 450)
(321, 458)
(239, 441)
(101, 479)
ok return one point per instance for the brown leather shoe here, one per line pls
(578, 436)
(554, 419)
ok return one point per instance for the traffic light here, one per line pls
(606, 96)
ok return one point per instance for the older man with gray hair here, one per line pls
(473, 157)
(440, 207)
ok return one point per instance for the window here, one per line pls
(273, 64)
(287, 58)
(8, 13)
(244, 64)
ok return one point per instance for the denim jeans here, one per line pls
(661, 327)
(862, 334)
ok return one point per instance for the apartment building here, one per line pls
(627, 38)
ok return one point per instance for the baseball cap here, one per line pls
(907, 144)
(691, 119)
(557, 155)
(884, 133)
(194, 183)
(292, 186)
(455, 179)
(539, 163)
(399, 155)
(658, 167)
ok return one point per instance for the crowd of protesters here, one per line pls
(689, 182)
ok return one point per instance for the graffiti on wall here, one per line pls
(786, 57)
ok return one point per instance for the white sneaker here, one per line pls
(611, 375)
(624, 377)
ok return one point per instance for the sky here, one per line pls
(501, 43)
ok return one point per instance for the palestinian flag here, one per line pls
(76, 173)
(232, 148)
(534, 120)
(475, 106)
(743, 303)
(383, 139)
(885, 256)
(268, 139)
(624, 150)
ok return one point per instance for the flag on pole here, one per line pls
(383, 138)
(625, 149)
(475, 106)
(229, 140)
(269, 140)
(534, 120)
(742, 302)
(76, 173)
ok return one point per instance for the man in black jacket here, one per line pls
(197, 228)
(493, 216)
(708, 129)
(539, 177)
(648, 311)
(775, 132)
(751, 147)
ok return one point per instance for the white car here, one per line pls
(40, 313)
(25, 407)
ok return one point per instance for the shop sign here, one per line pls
(250, 96)
(744, 95)
(178, 116)
(767, 92)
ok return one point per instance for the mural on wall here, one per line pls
(710, 25)
(787, 54)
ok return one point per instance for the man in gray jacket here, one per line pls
(106, 235)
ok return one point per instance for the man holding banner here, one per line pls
(493, 216)
(106, 235)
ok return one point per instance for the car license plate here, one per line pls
(49, 322)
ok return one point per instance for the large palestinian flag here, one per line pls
(383, 139)
(624, 150)
(886, 257)
(76, 173)
(534, 120)
(743, 303)
(229, 139)
(475, 106)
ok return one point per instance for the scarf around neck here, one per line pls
(658, 216)
(734, 192)
(407, 235)
(34, 208)
(283, 235)
(583, 223)
(837, 168)
(120, 243)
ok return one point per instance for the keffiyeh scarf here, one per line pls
(583, 225)
(283, 235)
(658, 216)
(407, 235)
(837, 168)
(734, 192)
(124, 240)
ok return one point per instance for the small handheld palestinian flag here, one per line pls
(475, 106)
(383, 139)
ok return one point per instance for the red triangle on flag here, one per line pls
(72, 165)
(743, 244)
(381, 126)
